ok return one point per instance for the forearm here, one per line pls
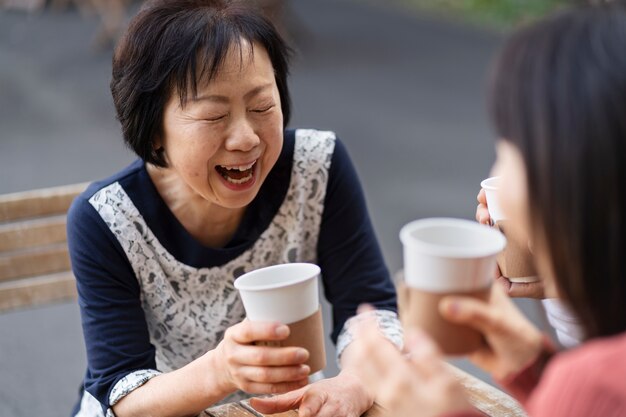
(184, 392)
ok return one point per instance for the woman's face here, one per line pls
(512, 191)
(223, 143)
(513, 199)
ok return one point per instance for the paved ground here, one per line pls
(403, 91)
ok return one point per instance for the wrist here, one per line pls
(532, 352)
(350, 377)
(219, 379)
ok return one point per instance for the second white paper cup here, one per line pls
(449, 255)
(286, 293)
(490, 185)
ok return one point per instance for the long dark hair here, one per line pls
(171, 45)
(558, 93)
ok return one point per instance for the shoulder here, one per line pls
(594, 356)
(126, 174)
(319, 141)
(313, 134)
(590, 375)
(81, 210)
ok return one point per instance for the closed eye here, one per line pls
(263, 110)
(216, 118)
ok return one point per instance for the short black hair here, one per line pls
(171, 44)
(558, 94)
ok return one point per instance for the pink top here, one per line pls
(587, 381)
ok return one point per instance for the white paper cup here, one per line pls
(449, 255)
(490, 185)
(442, 257)
(516, 261)
(286, 293)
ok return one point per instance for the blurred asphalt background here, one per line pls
(405, 92)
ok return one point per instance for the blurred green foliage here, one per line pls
(498, 13)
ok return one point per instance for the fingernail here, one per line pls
(282, 331)
(305, 370)
(453, 308)
(302, 355)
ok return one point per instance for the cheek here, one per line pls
(193, 164)
(512, 194)
(514, 206)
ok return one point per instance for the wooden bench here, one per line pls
(34, 261)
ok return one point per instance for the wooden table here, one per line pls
(243, 409)
(485, 398)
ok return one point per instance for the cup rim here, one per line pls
(242, 284)
(487, 183)
(492, 246)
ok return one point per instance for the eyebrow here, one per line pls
(223, 99)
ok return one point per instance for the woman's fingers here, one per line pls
(482, 197)
(278, 403)
(482, 213)
(471, 312)
(272, 375)
(269, 356)
(248, 332)
(311, 404)
(252, 387)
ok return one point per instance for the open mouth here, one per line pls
(237, 174)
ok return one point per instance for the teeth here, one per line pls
(239, 181)
(240, 167)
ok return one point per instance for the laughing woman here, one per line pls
(220, 188)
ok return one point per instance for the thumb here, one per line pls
(468, 311)
(279, 403)
(311, 404)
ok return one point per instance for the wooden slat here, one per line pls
(43, 202)
(37, 291)
(29, 233)
(36, 261)
(486, 398)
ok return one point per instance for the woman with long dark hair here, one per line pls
(558, 105)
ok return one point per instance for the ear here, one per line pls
(157, 143)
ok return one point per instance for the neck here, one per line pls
(209, 223)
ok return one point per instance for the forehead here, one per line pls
(243, 61)
(240, 68)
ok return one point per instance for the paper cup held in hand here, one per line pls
(443, 257)
(490, 185)
(287, 293)
(443, 254)
(515, 262)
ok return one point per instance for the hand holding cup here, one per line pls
(260, 369)
(515, 262)
(287, 294)
(442, 257)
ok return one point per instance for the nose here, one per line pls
(242, 137)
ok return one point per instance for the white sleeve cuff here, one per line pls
(564, 321)
(129, 383)
(388, 323)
